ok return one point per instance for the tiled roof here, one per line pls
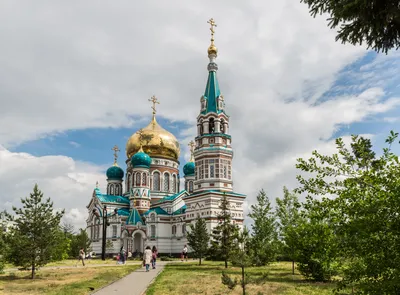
(157, 210)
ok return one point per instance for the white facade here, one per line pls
(152, 210)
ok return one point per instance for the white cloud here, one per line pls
(95, 64)
(67, 182)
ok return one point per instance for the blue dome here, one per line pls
(115, 173)
(188, 169)
(141, 159)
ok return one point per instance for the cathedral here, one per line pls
(149, 207)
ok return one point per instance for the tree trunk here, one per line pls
(33, 271)
(200, 260)
(292, 266)
(243, 282)
(226, 263)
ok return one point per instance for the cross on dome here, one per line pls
(116, 150)
(212, 50)
(154, 100)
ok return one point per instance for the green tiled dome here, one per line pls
(115, 173)
(188, 169)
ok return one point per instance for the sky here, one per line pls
(76, 76)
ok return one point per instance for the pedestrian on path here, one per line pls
(81, 257)
(154, 258)
(147, 256)
(185, 253)
(122, 255)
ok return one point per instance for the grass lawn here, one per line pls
(74, 281)
(189, 278)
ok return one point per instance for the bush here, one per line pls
(166, 258)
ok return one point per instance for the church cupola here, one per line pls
(139, 194)
(213, 152)
(115, 176)
(189, 171)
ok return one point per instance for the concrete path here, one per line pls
(135, 283)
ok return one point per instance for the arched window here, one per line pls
(184, 229)
(128, 178)
(174, 230)
(174, 183)
(211, 125)
(166, 182)
(111, 189)
(156, 181)
(152, 231)
(137, 179)
(153, 217)
(222, 127)
(190, 187)
(144, 179)
(117, 190)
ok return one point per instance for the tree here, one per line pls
(364, 204)
(198, 238)
(80, 240)
(264, 238)
(33, 238)
(242, 256)
(3, 238)
(224, 234)
(109, 245)
(375, 22)
(288, 212)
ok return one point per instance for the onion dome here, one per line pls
(188, 169)
(141, 159)
(157, 142)
(115, 173)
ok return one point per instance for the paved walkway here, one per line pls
(135, 283)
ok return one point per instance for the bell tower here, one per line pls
(213, 152)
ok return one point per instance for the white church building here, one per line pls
(149, 207)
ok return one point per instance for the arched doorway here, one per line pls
(138, 238)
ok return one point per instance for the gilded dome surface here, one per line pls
(156, 142)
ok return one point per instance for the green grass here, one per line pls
(189, 278)
(74, 281)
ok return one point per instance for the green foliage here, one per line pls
(224, 235)
(364, 213)
(264, 240)
(316, 244)
(198, 238)
(228, 281)
(34, 237)
(242, 256)
(109, 245)
(375, 22)
(288, 213)
(62, 246)
(80, 240)
(3, 240)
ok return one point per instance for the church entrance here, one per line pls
(138, 242)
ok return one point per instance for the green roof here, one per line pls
(110, 199)
(180, 210)
(171, 198)
(123, 211)
(134, 217)
(157, 210)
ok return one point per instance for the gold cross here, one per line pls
(116, 150)
(213, 24)
(191, 146)
(154, 100)
(140, 132)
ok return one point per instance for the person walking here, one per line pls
(185, 253)
(81, 257)
(122, 255)
(147, 256)
(154, 257)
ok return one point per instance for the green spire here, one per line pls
(212, 92)
(134, 217)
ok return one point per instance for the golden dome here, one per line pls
(212, 49)
(156, 141)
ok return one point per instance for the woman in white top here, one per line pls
(147, 256)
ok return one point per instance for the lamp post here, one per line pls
(104, 237)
